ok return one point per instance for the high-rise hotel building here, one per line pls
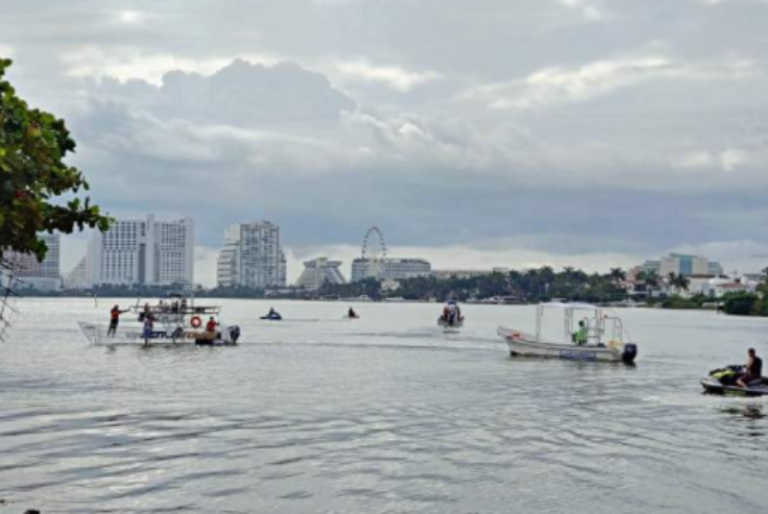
(146, 252)
(252, 256)
(45, 275)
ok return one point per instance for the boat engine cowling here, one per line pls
(629, 354)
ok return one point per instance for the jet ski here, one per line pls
(451, 316)
(451, 321)
(272, 316)
(723, 381)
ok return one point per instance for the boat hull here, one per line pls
(97, 334)
(523, 345)
(714, 386)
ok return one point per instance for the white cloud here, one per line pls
(732, 158)
(728, 160)
(6, 51)
(559, 85)
(128, 63)
(589, 10)
(392, 76)
(131, 17)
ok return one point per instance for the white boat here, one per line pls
(604, 336)
(179, 321)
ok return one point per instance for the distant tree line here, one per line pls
(535, 285)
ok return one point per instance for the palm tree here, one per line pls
(681, 282)
(618, 274)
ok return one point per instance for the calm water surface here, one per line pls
(384, 414)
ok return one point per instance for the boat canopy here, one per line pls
(575, 306)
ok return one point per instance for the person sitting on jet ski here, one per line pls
(753, 369)
(581, 336)
(273, 314)
(352, 314)
(452, 317)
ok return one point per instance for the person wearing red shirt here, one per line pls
(210, 327)
(114, 319)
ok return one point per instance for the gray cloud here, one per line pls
(559, 126)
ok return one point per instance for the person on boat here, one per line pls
(148, 325)
(211, 326)
(114, 319)
(147, 312)
(581, 336)
(753, 369)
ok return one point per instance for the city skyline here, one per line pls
(563, 132)
(399, 266)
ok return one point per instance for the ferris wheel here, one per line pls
(374, 252)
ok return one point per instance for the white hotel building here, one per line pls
(146, 252)
(43, 276)
(252, 256)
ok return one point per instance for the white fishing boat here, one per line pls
(601, 337)
(174, 322)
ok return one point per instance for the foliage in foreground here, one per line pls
(33, 145)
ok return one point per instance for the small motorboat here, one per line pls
(601, 337)
(723, 381)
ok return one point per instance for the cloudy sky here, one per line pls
(476, 133)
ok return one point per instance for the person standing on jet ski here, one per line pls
(753, 369)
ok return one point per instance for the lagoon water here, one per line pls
(384, 414)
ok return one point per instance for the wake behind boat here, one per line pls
(596, 337)
(177, 321)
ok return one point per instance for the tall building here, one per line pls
(252, 256)
(715, 269)
(684, 265)
(143, 252)
(651, 267)
(681, 264)
(389, 269)
(318, 272)
(45, 275)
(228, 263)
(78, 278)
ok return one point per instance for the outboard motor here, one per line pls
(234, 334)
(629, 354)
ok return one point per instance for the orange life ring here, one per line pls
(196, 322)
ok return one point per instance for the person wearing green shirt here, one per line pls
(581, 336)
